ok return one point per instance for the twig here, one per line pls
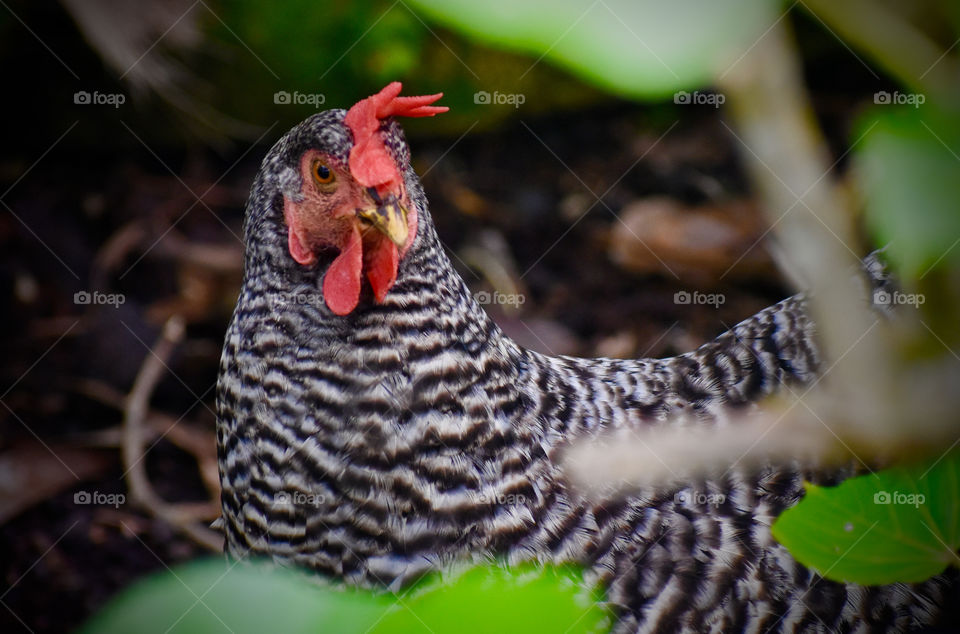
(873, 27)
(875, 402)
(184, 435)
(181, 516)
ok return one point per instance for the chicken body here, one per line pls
(411, 433)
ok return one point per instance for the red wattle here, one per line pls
(341, 284)
(382, 264)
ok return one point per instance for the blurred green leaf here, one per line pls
(339, 51)
(900, 524)
(214, 596)
(639, 48)
(496, 599)
(908, 166)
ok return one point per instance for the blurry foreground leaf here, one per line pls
(638, 48)
(908, 163)
(494, 599)
(901, 524)
(213, 596)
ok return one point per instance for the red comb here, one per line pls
(370, 162)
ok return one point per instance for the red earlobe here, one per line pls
(299, 251)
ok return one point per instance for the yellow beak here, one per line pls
(390, 219)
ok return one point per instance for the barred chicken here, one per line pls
(374, 424)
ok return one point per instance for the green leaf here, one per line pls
(908, 168)
(497, 599)
(900, 524)
(636, 48)
(212, 596)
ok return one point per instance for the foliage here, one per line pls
(909, 172)
(900, 524)
(632, 48)
(302, 48)
(210, 596)
(331, 54)
(497, 599)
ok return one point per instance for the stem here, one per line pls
(915, 61)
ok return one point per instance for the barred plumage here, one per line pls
(411, 433)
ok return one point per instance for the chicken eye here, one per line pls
(322, 174)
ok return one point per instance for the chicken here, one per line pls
(374, 424)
